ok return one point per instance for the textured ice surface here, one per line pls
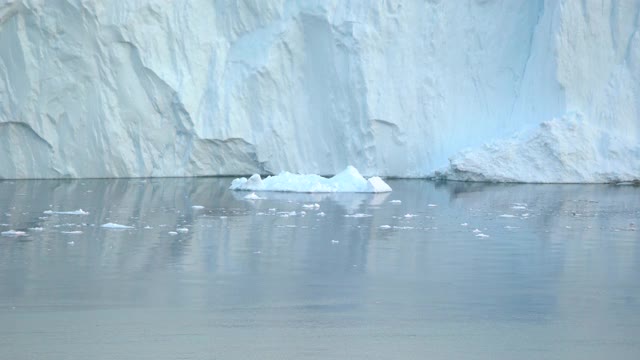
(349, 180)
(174, 88)
(561, 150)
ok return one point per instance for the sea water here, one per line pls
(186, 269)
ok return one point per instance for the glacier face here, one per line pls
(120, 88)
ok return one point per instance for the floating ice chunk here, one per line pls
(13, 233)
(507, 216)
(476, 231)
(396, 201)
(77, 232)
(311, 206)
(519, 207)
(335, 241)
(148, 227)
(321, 213)
(432, 205)
(358, 215)
(349, 180)
(172, 233)
(409, 216)
(36, 229)
(197, 207)
(71, 243)
(464, 224)
(481, 235)
(385, 226)
(74, 212)
(115, 226)
(252, 196)
(511, 227)
(182, 230)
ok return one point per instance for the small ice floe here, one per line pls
(148, 227)
(74, 212)
(260, 214)
(525, 215)
(287, 213)
(36, 229)
(252, 196)
(223, 217)
(481, 235)
(519, 207)
(71, 243)
(432, 205)
(358, 215)
(511, 227)
(311, 206)
(464, 224)
(349, 180)
(385, 226)
(321, 213)
(197, 207)
(509, 216)
(403, 227)
(335, 241)
(77, 232)
(476, 231)
(172, 233)
(396, 201)
(13, 233)
(409, 216)
(182, 230)
(115, 226)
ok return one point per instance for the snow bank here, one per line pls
(567, 150)
(349, 180)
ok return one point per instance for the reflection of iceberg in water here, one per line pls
(348, 201)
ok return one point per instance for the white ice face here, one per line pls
(172, 88)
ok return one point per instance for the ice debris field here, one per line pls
(349, 180)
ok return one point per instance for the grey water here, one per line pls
(429, 271)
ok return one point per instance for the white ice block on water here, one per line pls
(349, 180)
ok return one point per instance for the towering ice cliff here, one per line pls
(116, 88)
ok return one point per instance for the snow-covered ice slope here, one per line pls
(560, 150)
(116, 88)
(348, 180)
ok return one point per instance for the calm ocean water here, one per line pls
(429, 271)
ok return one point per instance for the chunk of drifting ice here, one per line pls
(507, 216)
(36, 229)
(409, 216)
(359, 215)
(172, 233)
(349, 180)
(396, 201)
(321, 213)
(464, 224)
(311, 206)
(74, 212)
(385, 226)
(115, 226)
(13, 233)
(182, 230)
(432, 205)
(482, 235)
(477, 231)
(197, 207)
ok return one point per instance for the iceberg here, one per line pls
(150, 88)
(566, 150)
(349, 180)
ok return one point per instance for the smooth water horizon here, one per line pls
(428, 271)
